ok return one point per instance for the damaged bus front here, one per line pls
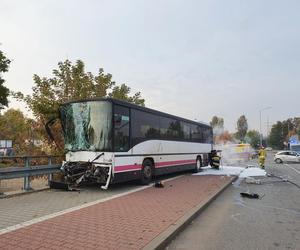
(87, 131)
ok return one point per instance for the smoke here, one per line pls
(218, 130)
(234, 154)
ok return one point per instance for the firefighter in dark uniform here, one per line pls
(214, 159)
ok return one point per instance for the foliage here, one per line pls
(276, 137)
(71, 82)
(282, 131)
(16, 127)
(217, 122)
(253, 138)
(242, 127)
(122, 92)
(4, 92)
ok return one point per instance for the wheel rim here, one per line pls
(147, 172)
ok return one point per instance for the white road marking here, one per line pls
(292, 168)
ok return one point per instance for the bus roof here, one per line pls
(131, 105)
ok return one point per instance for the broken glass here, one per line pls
(87, 126)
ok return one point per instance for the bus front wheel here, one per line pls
(198, 165)
(147, 172)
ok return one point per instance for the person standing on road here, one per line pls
(214, 159)
(261, 157)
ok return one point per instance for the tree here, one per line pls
(242, 127)
(276, 137)
(71, 82)
(14, 126)
(282, 131)
(253, 138)
(217, 122)
(4, 92)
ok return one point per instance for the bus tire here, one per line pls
(147, 172)
(198, 165)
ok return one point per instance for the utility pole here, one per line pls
(260, 132)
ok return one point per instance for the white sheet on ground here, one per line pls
(224, 170)
(242, 172)
(250, 172)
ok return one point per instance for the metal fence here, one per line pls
(28, 170)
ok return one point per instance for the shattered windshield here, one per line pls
(87, 126)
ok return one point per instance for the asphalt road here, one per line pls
(233, 222)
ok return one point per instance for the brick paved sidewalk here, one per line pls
(127, 222)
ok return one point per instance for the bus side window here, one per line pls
(186, 130)
(195, 133)
(121, 125)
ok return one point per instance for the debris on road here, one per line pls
(62, 186)
(159, 184)
(251, 180)
(250, 195)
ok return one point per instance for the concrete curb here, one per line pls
(163, 239)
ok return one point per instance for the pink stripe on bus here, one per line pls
(127, 167)
(157, 165)
(168, 163)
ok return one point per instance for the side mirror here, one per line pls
(48, 129)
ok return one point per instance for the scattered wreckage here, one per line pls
(75, 173)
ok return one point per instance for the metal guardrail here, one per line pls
(27, 171)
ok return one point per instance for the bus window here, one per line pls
(196, 134)
(186, 130)
(121, 125)
(144, 126)
(207, 134)
(169, 128)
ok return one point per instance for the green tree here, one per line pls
(123, 93)
(242, 127)
(217, 122)
(253, 138)
(282, 131)
(15, 126)
(4, 92)
(276, 137)
(296, 122)
(71, 82)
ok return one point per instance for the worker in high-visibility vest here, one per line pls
(214, 159)
(261, 157)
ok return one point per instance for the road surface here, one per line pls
(233, 222)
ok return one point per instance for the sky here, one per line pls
(190, 58)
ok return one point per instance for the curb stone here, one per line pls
(163, 239)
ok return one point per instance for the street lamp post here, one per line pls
(260, 132)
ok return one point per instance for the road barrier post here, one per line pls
(26, 186)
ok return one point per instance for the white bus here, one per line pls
(108, 141)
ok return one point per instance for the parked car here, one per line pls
(254, 154)
(269, 149)
(287, 156)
